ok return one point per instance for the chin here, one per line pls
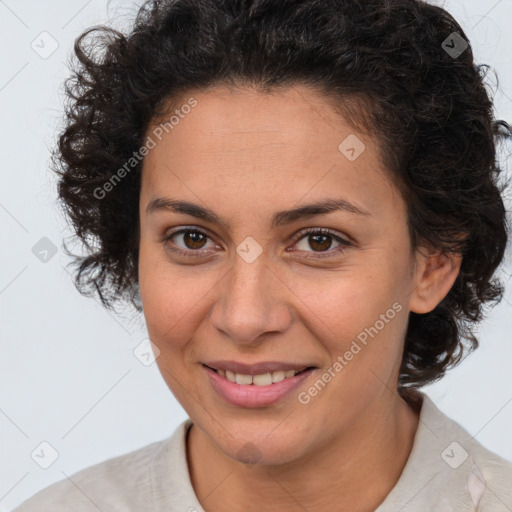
(260, 443)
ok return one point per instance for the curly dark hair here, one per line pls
(388, 67)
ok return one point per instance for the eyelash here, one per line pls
(303, 234)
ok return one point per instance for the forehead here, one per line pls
(293, 113)
(269, 148)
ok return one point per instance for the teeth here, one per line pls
(264, 379)
(278, 376)
(243, 379)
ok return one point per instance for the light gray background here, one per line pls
(68, 374)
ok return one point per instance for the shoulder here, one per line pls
(462, 451)
(118, 484)
(448, 469)
(489, 477)
(465, 474)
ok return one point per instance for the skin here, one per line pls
(245, 155)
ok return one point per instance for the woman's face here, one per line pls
(254, 287)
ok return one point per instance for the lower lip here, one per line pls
(251, 395)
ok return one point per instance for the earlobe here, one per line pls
(436, 272)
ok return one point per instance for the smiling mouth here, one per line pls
(263, 379)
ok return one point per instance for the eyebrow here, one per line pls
(279, 218)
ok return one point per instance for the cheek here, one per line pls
(367, 307)
(173, 298)
(160, 294)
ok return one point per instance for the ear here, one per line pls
(435, 274)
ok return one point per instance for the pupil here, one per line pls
(324, 237)
(194, 235)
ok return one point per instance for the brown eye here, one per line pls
(192, 241)
(320, 240)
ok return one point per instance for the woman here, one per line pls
(303, 199)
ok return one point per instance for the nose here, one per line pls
(252, 302)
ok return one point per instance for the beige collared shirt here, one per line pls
(447, 470)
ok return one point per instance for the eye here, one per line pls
(194, 241)
(320, 239)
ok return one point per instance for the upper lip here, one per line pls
(255, 368)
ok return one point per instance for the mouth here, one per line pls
(254, 388)
(259, 379)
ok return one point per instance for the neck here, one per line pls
(353, 472)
